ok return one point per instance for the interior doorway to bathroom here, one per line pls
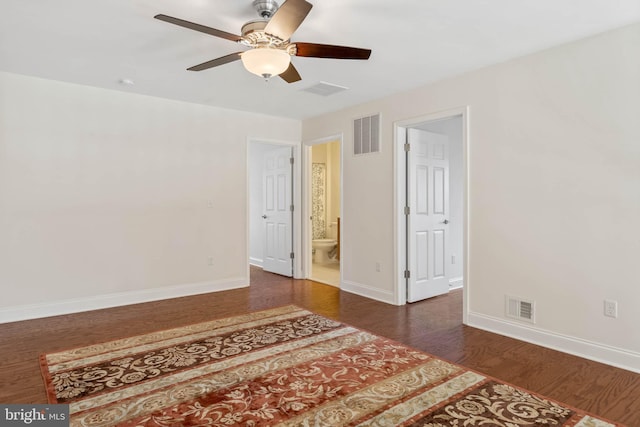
(323, 172)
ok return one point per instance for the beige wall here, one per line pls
(554, 198)
(108, 198)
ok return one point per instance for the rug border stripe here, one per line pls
(167, 343)
(364, 417)
(122, 343)
(476, 380)
(46, 377)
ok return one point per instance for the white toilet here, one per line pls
(322, 247)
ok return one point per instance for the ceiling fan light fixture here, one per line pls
(269, 41)
(266, 62)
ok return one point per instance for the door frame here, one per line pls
(400, 189)
(306, 199)
(296, 200)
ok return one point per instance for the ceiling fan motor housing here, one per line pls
(253, 35)
(253, 26)
(265, 8)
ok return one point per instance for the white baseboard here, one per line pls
(255, 261)
(368, 291)
(613, 356)
(77, 305)
(456, 283)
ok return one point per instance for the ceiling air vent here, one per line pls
(325, 89)
(366, 135)
(520, 309)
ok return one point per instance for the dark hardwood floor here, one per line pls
(434, 326)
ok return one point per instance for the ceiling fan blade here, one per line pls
(215, 62)
(316, 50)
(288, 18)
(291, 75)
(198, 27)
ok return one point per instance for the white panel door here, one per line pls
(278, 217)
(427, 223)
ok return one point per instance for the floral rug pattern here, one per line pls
(284, 367)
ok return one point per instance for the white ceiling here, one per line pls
(414, 42)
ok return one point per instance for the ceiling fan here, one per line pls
(269, 40)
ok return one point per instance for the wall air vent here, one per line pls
(366, 135)
(520, 309)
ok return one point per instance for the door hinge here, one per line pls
(407, 210)
(407, 147)
(291, 160)
(291, 208)
(407, 274)
(291, 255)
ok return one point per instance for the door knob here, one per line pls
(446, 221)
(264, 217)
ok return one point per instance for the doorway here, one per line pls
(430, 252)
(272, 199)
(431, 203)
(323, 200)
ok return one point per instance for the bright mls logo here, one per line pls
(34, 415)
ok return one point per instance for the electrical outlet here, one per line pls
(453, 259)
(611, 308)
(378, 266)
(210, 260)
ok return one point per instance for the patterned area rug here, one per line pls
(286, 367)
